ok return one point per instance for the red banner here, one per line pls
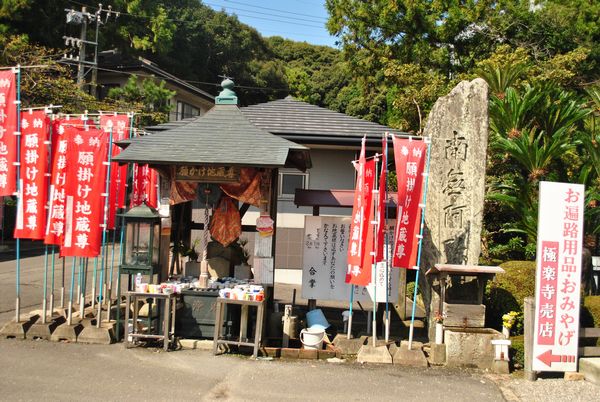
(119, 124)
(33, 186)
(359, 263)
(8, 127)
(55, 227)
(145, 183)
(382, 203)
(85, 198)
(410, 156)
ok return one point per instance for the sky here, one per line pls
(299, 20)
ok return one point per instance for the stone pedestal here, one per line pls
(66, 332)
(438, 354)
(349, 346)
(374, 354)
(17, 330)
(470, 347)
(105, 335)
(413, 357)
(44, 331)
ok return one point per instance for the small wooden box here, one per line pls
(464, 315)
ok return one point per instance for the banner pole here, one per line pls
(119, 281)
(94, 280)
(18, 240)
(45, 300)
(62, 287)
(385, 242)
(106, 199)
(52, 286)
(350, 312)
(418, 267)
(70, 306)
(373, 256)
(81, 288)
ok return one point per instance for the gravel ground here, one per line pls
(546, 389)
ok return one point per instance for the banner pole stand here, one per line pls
(420, 237)
(385, 246)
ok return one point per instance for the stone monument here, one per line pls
(458, 127)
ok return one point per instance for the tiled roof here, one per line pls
(222, 136)
(303, 122)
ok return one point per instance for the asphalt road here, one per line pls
(41, 370)
(32, 280)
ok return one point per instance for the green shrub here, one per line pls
(507, 292)
(590, 317)
(517, 352)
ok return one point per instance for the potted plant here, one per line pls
(439, 327)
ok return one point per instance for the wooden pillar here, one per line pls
(529, 332)
(273, 214)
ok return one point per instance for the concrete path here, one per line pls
(40, 370)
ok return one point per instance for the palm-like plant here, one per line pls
(535, 130)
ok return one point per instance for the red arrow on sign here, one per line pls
(548, 358)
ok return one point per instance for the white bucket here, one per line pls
(312, 338)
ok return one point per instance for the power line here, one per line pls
(273, 9)
(191, 22)
(142, 75)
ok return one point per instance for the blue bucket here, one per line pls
(315, 319)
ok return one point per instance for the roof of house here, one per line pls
(115, 61)
(223, 136)
(305, 123)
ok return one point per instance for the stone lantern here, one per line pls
(142, 241)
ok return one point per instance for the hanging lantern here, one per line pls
(142, 240)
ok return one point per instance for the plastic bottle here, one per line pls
(138, 281)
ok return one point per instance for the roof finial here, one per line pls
(227, 96)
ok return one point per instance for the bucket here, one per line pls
(312, 338)
(315, 319)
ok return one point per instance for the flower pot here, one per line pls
(439, 333)
(506, 332)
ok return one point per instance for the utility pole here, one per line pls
(83, 18)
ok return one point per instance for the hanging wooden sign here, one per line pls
(208, 174)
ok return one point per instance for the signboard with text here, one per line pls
(324, 263)
(558, 276)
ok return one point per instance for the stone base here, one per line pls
(414, 357)
(590, 368)
(105, 335)
(500, 367)
(44, 331)
(374, 354)
(470, 347)
(349, 346)
(15, 329)
(438, 354)
(202, 344)
(66, 332)
(574, 376)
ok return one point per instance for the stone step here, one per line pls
(590, 368)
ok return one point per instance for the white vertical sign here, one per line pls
(324, 263)
(558, 276)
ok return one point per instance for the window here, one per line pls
(185, 111)
(289, 182)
